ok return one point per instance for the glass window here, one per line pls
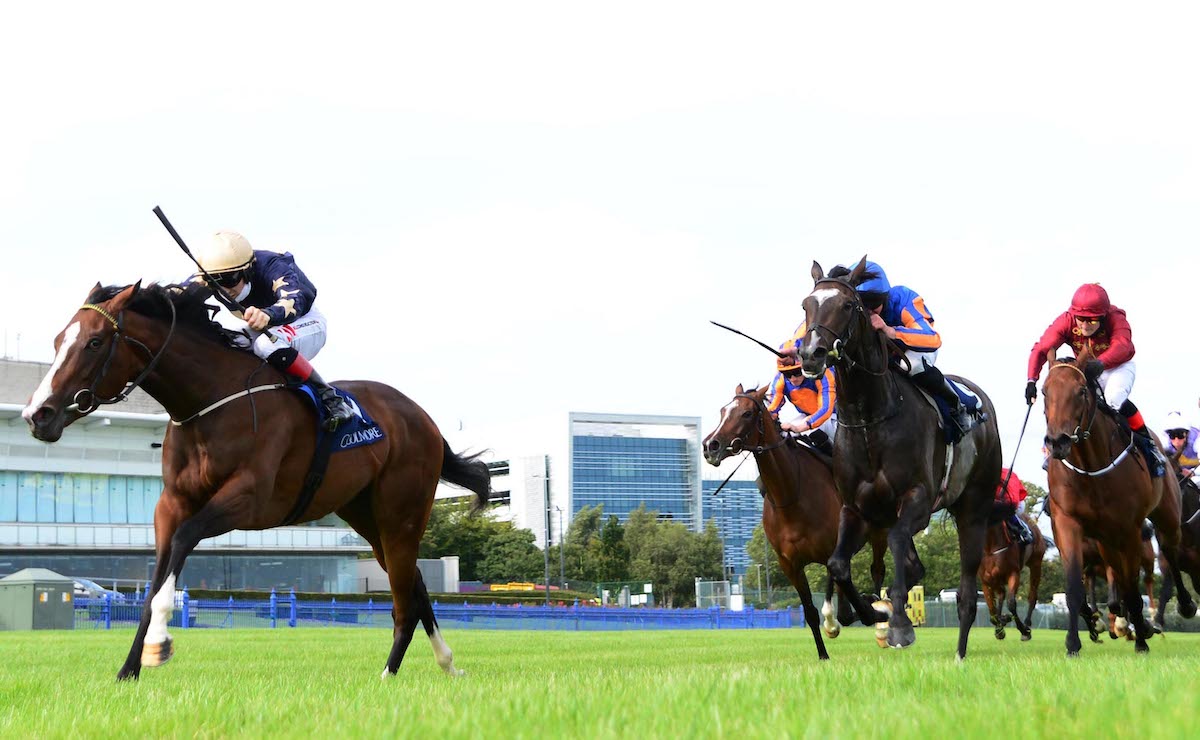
(64, 498)
(8, 497)
(101, 505)
(26, 498)
(118, 511)
(45, 496)
(135, 502)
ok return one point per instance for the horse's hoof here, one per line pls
(901, 638)
(832, 633)
(1000, 633)
(155, 654)
(128, 674)
(1141, 647)
(1188, 610)
(1026, 636)
(881, 628)
(1112, 635)
(1072, 653)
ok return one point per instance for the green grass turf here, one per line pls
(727, 683)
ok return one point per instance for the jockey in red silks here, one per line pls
(1092, 323)
(814, 398)
(286, 329)
(1009, 503)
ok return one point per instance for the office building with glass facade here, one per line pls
(621, 461)
(736, 510)
(84, 506)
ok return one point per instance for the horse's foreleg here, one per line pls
(852, 531)
(1014, 584)
(1165, 592)
(795, 574)
(1070, 542)
(993, 605)
(1168, 531)
(900, 633)
(1035, 580)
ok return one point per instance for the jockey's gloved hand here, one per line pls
(1092, 369)
(1030, 392)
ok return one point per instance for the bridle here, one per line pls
(840, 341)
(85, 400)
(1082, 434)
(759, 413)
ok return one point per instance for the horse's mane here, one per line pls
(191, 309)
(1093, 385)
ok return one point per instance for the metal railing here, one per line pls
(288, 611)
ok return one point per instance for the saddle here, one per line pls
(952, 433)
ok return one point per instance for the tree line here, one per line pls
(600, 549)
(597, 549)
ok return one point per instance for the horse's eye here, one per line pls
(746, 414)
(847, 307)
(94, 343)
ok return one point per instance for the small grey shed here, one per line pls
(37, 599)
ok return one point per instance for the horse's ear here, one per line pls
(126, 295)
(856, 275)
(817, 273)
(760, 393)
(739, 390)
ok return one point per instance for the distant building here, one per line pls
(622, 461)
(736, 510)
(84, 506)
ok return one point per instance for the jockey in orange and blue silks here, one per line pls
(814, 398)
(900, 313)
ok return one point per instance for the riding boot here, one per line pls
(935, 384)
(1143, 439)
(821, 441)
(1018, 528)
(337, 410)
(292, 363)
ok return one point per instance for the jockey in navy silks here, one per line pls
(286, 329)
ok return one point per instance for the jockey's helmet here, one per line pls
(1090, 301)
(227, 251)
(1175, 423)
(788, 365)
(873, 291)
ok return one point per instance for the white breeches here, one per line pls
(306, 334)
(919, 362)
(1118, 383)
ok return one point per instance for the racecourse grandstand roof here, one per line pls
(18, 381)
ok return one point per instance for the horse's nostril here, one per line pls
(713, 445)
(42, 415)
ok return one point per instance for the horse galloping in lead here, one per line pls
(238, 458)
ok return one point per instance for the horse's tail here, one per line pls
(469, 472)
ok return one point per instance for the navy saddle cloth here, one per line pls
(360, 430)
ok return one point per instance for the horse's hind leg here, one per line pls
(1164, 595)
(1035, 580)
(991, 598)
(424, 609)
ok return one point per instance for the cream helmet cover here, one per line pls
(225, 252)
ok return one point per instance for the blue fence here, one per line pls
(288, 611)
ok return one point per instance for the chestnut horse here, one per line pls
(1100, 487)
(1000, 575)
(239, 461)
(1094, 568)
(891, 463)
(800, 502)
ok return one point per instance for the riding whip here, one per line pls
(219, 294)
(764, 345)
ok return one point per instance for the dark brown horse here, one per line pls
(242, 464)
(1189, 540)
(1000, 575)
(892, 466)
(800, 502)
(1100, 487)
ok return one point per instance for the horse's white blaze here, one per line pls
(161, 607)
(47, 385)
(725, 412)
(823, 294)
(443, 654)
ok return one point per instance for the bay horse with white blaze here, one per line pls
(800, 502)
(1000, 576)
(243, 464)
(1100, 487)
(892, 465)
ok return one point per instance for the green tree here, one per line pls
(607, 554)
(512, 555)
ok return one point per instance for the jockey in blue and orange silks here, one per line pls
(813, 397)
(900, 313)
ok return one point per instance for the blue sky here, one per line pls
(516, 211)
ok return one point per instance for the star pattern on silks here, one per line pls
(288, 305)
(279, 283)
(286, 293)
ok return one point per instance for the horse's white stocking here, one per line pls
(442, 653)
(161, 607)
(831, 627)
